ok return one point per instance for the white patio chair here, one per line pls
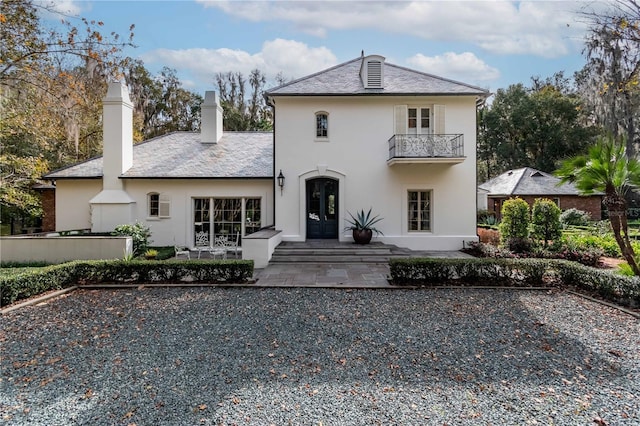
(219, 247)
(202, 242)
(182, 251)
(234, 246)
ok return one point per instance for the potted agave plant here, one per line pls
(362, 227)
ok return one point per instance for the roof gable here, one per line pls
(345, 79)
(527, 181)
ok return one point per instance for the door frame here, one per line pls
(335, 233)
(318, 172)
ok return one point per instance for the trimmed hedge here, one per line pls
(56, 277)
(428, 272)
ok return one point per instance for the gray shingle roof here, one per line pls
(182, 155)
(344, 79)
(527, 181)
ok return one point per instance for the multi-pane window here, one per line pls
(418, 120)
(252, 215)
(413, 118)
(419, 210)
(226, 216)
(322, 125)
(158, 205)
(154, 204)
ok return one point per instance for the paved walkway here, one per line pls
(337, 275)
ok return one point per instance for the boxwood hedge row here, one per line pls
(426, 272)
(56, 277)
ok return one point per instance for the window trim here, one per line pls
(407, 210)
(163, 206)
(316, 116)
(150, 205)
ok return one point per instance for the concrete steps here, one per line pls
(332, 252)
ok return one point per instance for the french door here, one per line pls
(322, 208)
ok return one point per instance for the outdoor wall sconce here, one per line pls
(281, 181)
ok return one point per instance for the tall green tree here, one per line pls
(609, 81)
(51, 81)
(608, 169)
(531, 127)
(242, 110)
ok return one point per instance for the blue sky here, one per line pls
(487, 43)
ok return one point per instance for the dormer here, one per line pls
(372, 72)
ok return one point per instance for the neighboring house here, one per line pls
(363, 134)
(529, 184)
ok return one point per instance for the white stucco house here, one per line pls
(363, 134)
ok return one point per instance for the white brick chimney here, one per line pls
(210, 119)
(117, 131)
(113, 206)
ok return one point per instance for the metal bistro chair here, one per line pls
(219, 247)
(182, 251)
(202, 242)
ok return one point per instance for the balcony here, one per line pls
(416, 149)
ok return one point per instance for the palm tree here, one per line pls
(607, 169)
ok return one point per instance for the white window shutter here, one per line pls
(400, 112)
(439, 120)
(164, 206)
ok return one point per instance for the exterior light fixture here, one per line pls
(281, 181)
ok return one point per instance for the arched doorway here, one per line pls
(322, 208)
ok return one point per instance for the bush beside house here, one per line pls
(30, 283)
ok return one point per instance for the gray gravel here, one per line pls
(303, 356)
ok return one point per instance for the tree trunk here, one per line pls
(617, 208)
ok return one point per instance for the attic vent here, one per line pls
(536, 174)
(374, 74)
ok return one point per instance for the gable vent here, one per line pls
(374, 74)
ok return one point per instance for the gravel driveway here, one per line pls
(304, 356)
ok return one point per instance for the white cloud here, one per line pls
(53, 9)
(294, 59)
(463, 66)
(542, 28)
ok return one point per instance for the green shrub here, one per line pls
(545, 220)
(515, 272)
(625, 269)
(574, 217)
(605, 242)
(31, 283)
(139, 233)
(473, 271)
(515, 221)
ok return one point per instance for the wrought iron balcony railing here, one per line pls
(426, 146)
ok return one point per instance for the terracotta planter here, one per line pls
(362, 236)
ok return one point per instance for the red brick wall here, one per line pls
(591, 204)
(48, 197)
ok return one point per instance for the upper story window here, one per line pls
(158, 206)
(322, 125)
(418, 120)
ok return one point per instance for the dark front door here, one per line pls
(322, 208)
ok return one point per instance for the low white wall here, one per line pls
(260, 245)
(63, 249)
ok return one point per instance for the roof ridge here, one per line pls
(524, 169)
(306, 77)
